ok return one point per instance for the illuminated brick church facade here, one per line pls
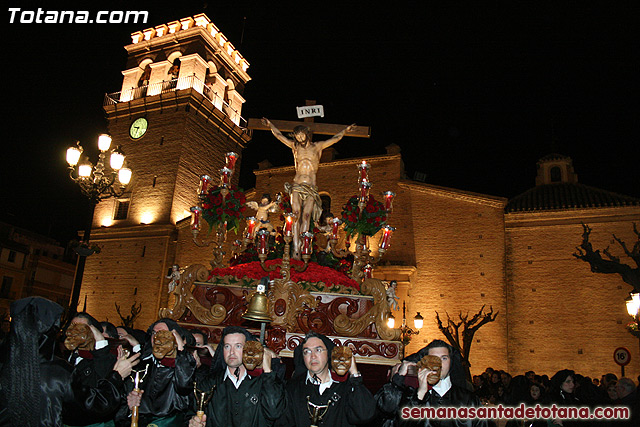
(453, 251)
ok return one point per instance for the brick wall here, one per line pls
(459, 250)
(130, 268)
(561, 315)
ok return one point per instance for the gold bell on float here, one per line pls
(258, 310)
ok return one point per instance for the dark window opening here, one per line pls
(122, 209)
(6, 286)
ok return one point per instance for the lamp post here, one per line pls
(405, 330)
(633, 308)
(97, 182)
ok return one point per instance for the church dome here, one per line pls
(557, 188)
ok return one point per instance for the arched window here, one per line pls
(555, 174)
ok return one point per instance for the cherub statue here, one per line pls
(263, 209)
(174, 276)
(392, 298)
(326, 230)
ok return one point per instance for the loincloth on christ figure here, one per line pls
(306, 191)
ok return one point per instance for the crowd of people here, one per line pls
(96, 374)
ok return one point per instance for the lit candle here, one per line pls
(263, 236)
(386, 237)
(225, 175)
(288, 224)
(368, 271)
(251, 227)
(196, 211)
(231, 159)
(335, 225)
(388, 200)
(306, 243)
(365, 186)
(364, 171)
(205, 180)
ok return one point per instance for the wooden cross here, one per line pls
(319, 128)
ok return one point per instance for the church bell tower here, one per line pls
(178, 112)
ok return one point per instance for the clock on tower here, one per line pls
(138, 128)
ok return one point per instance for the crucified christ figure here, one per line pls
(305, 200)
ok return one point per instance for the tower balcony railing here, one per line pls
(173, 85)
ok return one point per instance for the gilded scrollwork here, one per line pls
(185, 299)
(287, 300)
(378, 314)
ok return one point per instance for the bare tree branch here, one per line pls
(129, 321)
(469, 328)
(613, 265)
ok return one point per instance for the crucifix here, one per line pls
(305, 199)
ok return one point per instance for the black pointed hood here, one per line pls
(172, 325)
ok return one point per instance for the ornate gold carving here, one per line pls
(295, 297)
(378, 314)
(185, 299)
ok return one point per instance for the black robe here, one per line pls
(395, 395)
(258, 402)
(98, 390)
(167, 389)
(352, 404)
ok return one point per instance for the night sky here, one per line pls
(474, 95)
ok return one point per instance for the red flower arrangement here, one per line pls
(313, 273)
(368, 222)
(218, 209)
(284, 205)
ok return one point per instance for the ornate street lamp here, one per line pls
(405, 330)
(633, 308)
(97, 182)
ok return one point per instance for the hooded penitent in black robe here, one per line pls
(34, 384)
(349, 402)
(398, 394)
(259, 400)
(98, 389)
(168, 384)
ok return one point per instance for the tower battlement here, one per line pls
(185, 27)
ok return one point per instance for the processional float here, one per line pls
(330, 290)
